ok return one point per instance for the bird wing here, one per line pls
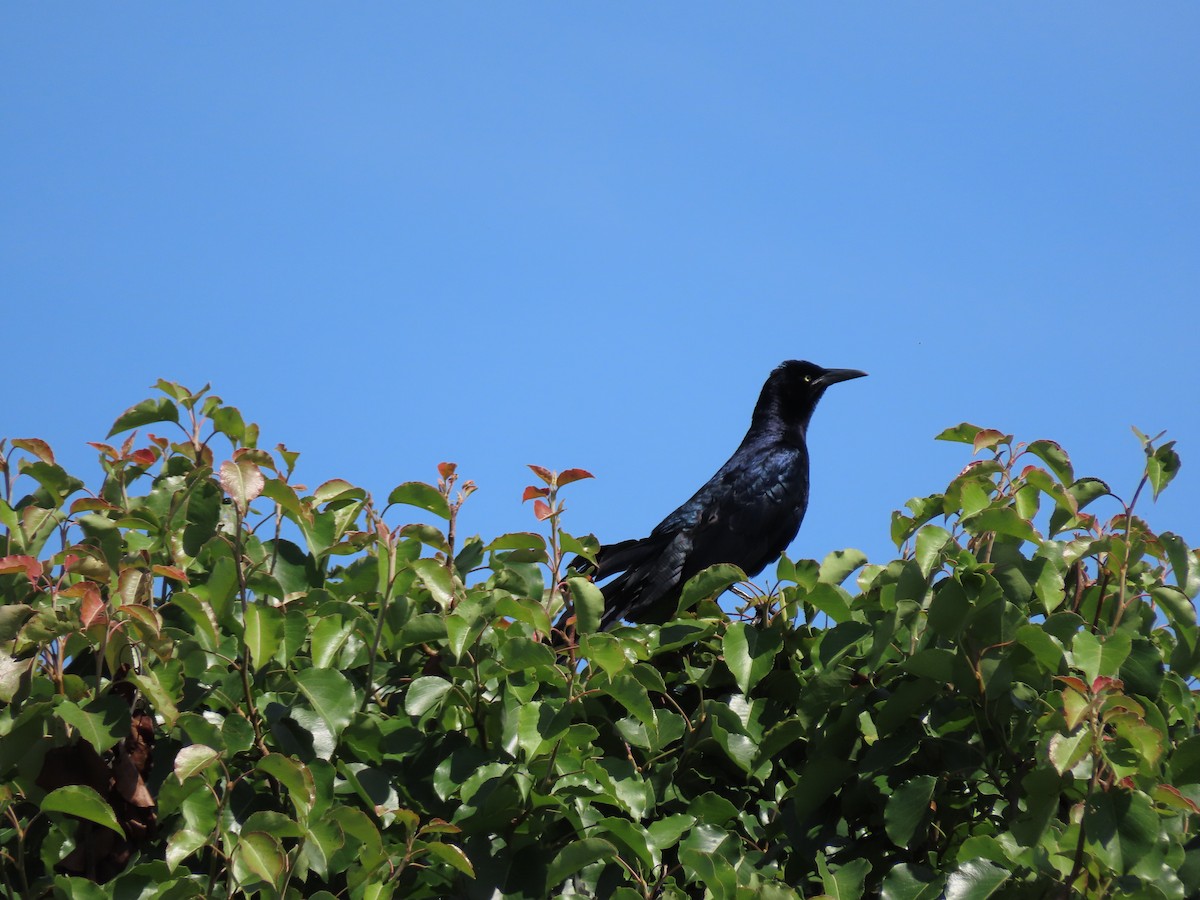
(751, 513)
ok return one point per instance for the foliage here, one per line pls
(215, 682)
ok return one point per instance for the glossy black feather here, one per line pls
(746, 514)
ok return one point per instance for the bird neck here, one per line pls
(770, 418)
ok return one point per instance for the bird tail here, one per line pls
(611, 559)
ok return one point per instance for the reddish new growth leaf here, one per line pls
(37, 447)
(447, 469)
(543, 473)
(1105, 683)
(173, 572)
(569, 475)
(256, 456)
(92, 610)
(144, 457)
(27, 564)
(989, 437)
(1073, 683)
(542, 510)
(533, 491)
(89, 504)
(243, 481)
(107, 449)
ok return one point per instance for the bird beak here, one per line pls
(833, 376)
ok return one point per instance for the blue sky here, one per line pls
(583, 234)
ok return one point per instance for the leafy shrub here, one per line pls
(215, 682)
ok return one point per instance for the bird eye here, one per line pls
(807, 379)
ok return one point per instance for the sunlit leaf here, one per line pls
(422, 496)
(82, 801)
(144, 413)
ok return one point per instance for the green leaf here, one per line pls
(934, 663)
(831, 599)
(963, 433)
(1085, 655)
(906, 882)
(259, 856)
(976, 879)
(1120, 827)
(931, 540)
(329, 694)
(422, 496)
(518, 540)
(193, 759)
(908, 808)
(576, 856)
(102, 723)
(12, 617)
(1162, 466)
(152, 688)
(1001, 520)
(1185, 564)
(452, 856)
(1066, 751)
(436, 579)
(424, 693)
(630, 693)
(589, 604)
(1174, 603)
(182, 844)
(846, 881)
(82, 801)
(1045, 648)
(711, 582)
(750, 653)
(11, 673)
(264, 631)
(145, 413)
(1055, 457)
(296, 779)
(840, 564)
(840, 639)
(1114, 650)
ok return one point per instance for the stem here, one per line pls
(1125, 560)
(383, 608)
(245, 666)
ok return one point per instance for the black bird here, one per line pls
(746, 514)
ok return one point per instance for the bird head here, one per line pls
(793, 389)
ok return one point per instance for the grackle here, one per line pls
(746, 514)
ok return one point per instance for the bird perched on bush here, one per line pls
(746, 514)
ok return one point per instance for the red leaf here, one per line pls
(92, 609)
(446, 469)
(534, 491)
(242, 481)
(1104, 683)
(570, 475)
(37, 447)
(256, 456)
(160, 442)
(127, 447)
(543, 473)
(173, 572)
(542, 510)
(144, 457)
(27, 564)
(90, 504)
(106, 449)
(989, 437)
(1073, 683)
